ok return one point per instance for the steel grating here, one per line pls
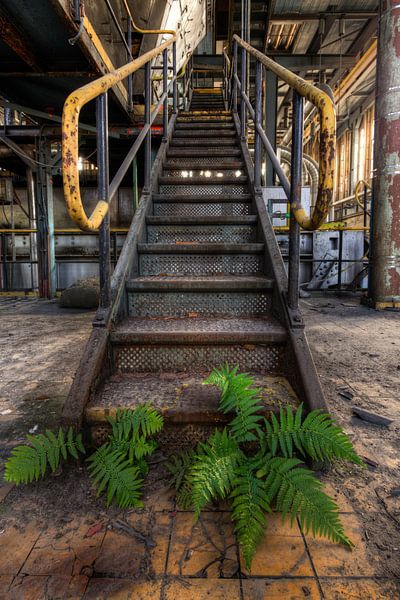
(203, 190)
(263, 359)
(211, 209)
(205, 172)
(241, 264)
(201, 233)
(207, 304)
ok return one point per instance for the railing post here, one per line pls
(257, 121)
(165, 91)
(103, 192)
(175, 81)
(234, 75)
(147, 115)
(243, 78)
(130, 77)
(295, 200)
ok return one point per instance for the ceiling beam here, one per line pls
(289, 18)
(18, 42)
(321, 36)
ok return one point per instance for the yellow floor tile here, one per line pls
(360, 589)
(335, 559)
(203, 589)
(280, 555)
(122, 589)
(203, 549)
(280, 589)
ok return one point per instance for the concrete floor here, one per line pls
(62, 543)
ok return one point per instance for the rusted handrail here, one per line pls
(327, 145)
(70, 143)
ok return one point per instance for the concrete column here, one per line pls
(384, 279)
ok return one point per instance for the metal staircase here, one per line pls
(200, 282)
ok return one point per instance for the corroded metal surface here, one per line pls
(327, 145)
(385, 270)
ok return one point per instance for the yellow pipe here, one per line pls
(327, 146)
(146, 31)
(70, 143)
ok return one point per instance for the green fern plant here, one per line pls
(268, 474)
(28, 463)
(118, 466)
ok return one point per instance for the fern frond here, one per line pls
(249, 504)
(180, 466)
(143, 421)
(30, 462)
(296, 492)
(239, 396)
(213, 470)
(111, 471)
(318, 436)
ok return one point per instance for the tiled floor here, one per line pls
(167, 556)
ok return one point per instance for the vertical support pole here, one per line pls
(384, 274)
(340, 261)
(129, 57)
(175, 81)
(243, 78)
(165, 91)
(30, 191)
(135, 190)
(103, 191)
(234, 83)
(295, 201)
(271, 94)
(147, 144)
(45, 224)
(258, 116)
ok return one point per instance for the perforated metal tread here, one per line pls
(257, 358)
(200, 248)
(188, 141)
(177, 220)
(201, 234)
(208, 181)
(203, 151)
(202, 163)
(199, 331)
(203, 189)
(180, 397)
(159, 198)
(207, 126)
(202, 209)
(190, 284)
(181, 265)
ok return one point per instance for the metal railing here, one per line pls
(236, 93)
(99, 219)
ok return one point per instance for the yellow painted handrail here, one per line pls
(70, 143)
(327, 143)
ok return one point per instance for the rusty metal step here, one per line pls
(195, 118)
(200, 331)
(202, 180)
(198, 297)
(200, 259)
(205, 113)
(209, 132)
(208, 125)
(201, 210)
(189, 408)
(211, 198)
(203, 163)
(201, 233)
(229, 220)
(203, 151)
(188, 141)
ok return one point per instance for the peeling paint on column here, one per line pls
(385, 271)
